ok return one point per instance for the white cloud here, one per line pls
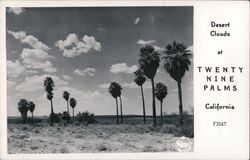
(35, 43)
(17, 35)
(14, 69)
(91, 42)
(147, 85)
(10, 84)
(71, 39)
(35, 83)
(159, 49)
(37, 59)
(85, 72)
(104, 85)
(143, 42)
(123, 68)
(131, 85)
(66, 77)
(137, 20)
(15, 10)
(72, 46)
(31, 71)
(28, 39)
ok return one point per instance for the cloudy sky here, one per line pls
(84, 49)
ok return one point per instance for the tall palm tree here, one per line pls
(72, 102)
(149, 61)
(66, 97)
(49, 87)
(120, 97)
(161, 92)
(32, 106)
(176, 63)
(23, 109)
(139, 79)
(115, 91)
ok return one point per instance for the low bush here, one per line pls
(66, 116)
(103, 147)
(35, 120)
(86, 117)
(56, 117)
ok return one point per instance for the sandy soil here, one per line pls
(93, 138)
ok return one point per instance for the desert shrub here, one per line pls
(187, 131)
(35, 120)
(33, 147)
(149, 148)
(169, 128)
(103, 147)
(23, 136)
(56, 117)
(66, 116)
(153, 128)
(37, 130)
(77, 124)
(86, 117)
(64, 150)
(24, 128)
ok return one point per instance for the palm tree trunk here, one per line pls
(161, 112)
(121, 110)
(73, 112)
(52, 113)
(143, 105)
(180, 100)
(117, 119)
(153, 103)
(32, 117)
(68, 106)
(23, 118)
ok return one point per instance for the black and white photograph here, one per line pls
(104, 79)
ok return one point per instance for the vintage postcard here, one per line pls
(124, 80)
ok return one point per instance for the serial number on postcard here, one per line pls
(219, 123)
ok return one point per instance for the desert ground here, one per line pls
(100, 137)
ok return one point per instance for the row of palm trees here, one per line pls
(24, 106)
(115, 90)
(176, 59)
(49, 87)
(72, 102)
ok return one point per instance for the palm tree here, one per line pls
(49, 87)
(176, 63)
(23, 109)
(139, 79)
(66, 97)
(120, 97)
(72, 102)
(32, 108)
(149, 62)
(115, 91)
(161, 91)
